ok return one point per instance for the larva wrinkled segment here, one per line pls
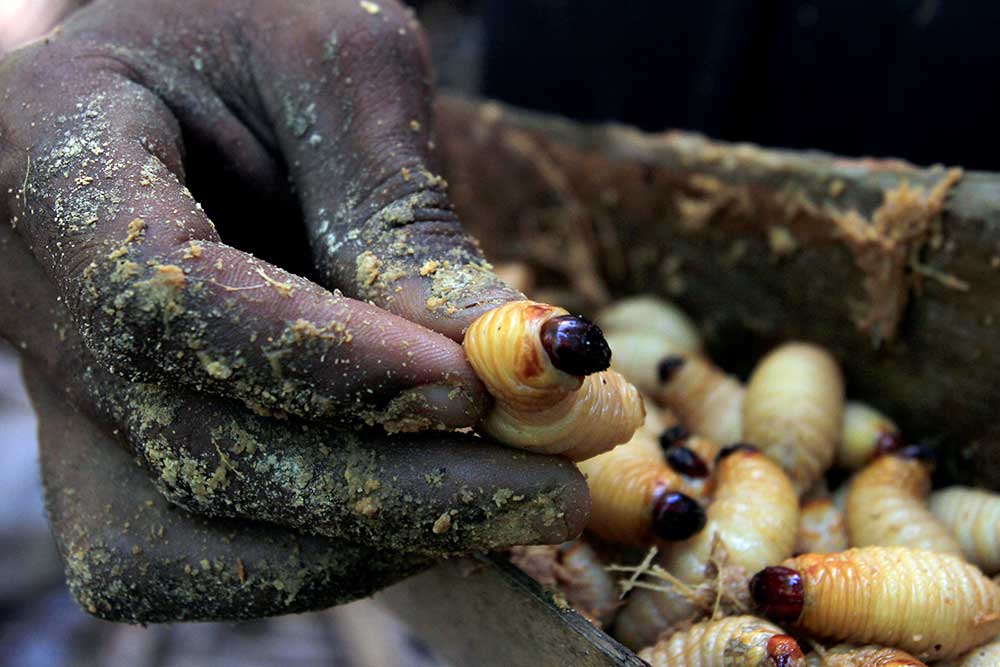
(652, 315)
(538, 407)
(605, 412)
(624, 484)
(735, 641)
(984, 656)
(793, 410)
(754, 515)
(863, 429)
(887, 506)
(973, 516)
(822, 528)
(934, 605)
(705, 399)
(863, 656)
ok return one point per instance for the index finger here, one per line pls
(158, 295)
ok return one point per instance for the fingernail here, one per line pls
(431, 406)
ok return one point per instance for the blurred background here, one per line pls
(875, 77)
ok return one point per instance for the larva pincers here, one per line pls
(887, 506)
(793, 410)
(545, 368)
(734, 641)
(933, 605)
(973, 515)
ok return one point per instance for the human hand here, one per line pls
(131, 302)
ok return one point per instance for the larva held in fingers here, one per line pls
(863, 656)
(735, 641)
(793, 410)
(575, 570)
(865, 433)
(933, 605)
(636, 496)
(652, 315)
(973, 516)
(545, 368)
(822, 528)
(887, 506)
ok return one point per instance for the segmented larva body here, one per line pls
(754, 515)
(984, 656)
(636, 354)
(793, 410)
(647, 613)
(627, 486)
(588, 586)
(822, 528)
(654, 316)
(735, 641)
(863, 656)
(973, 516)
(887, 506)
(575, 570)
(934, 605)
(865, 433)
(575, 412)
(706, 400)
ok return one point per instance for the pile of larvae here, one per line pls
(747, 558)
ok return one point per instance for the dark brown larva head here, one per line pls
(918, 452)
(575, 345)
(778, 593)
(677, 516)
(684, 461)
(668, 367)
(673, 435)
(732, 449)
(784, 651)
(888, 442)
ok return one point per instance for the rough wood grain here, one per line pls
(895, 268)
(484, 611)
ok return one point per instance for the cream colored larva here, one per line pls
(984, 656)
(822, 528)
(887, 506)
(793, 410)
(933, 605)
(654, 316)
(706, 400)
(752, 519)
(575, 570)
(866, 432)
(863, 656)
(540, 364)
(973, 516)
(754, 516)
(628, 486)
(735, 641)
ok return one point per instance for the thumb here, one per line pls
(381, 226)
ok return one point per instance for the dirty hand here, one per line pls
(302, 131)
